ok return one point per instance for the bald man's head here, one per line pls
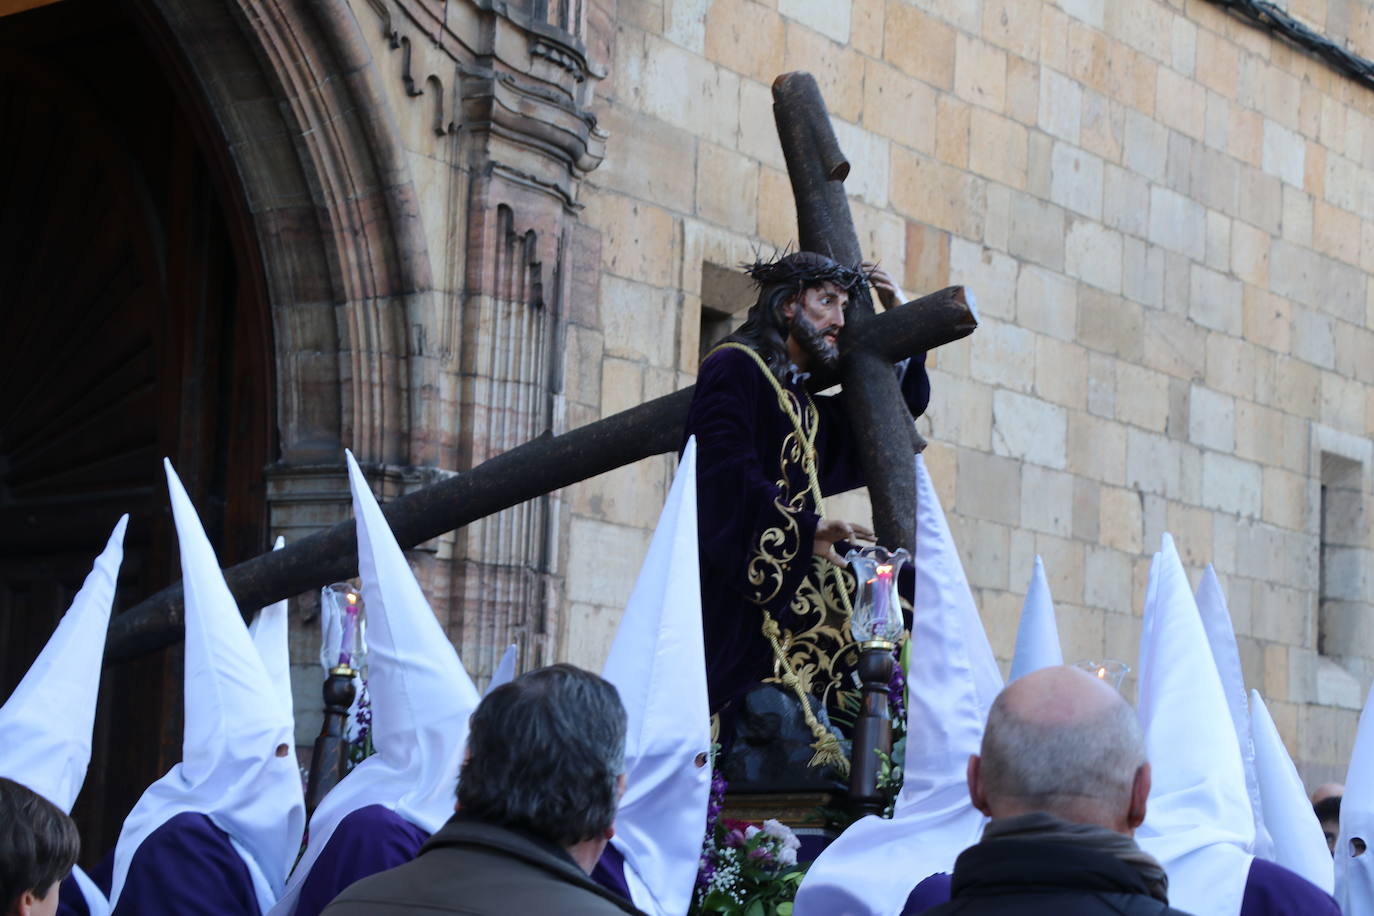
(1062, 741)
(1327, 790)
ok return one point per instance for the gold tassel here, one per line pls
(826, 745)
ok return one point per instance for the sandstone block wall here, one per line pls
(1167, 215)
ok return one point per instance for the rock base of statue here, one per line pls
(770, 751)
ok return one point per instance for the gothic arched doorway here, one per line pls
(135, 326)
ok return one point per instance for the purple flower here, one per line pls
(896, 691)
(707, 869)
(760, 854)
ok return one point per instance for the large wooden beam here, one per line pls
(878, 419)
(539, 466)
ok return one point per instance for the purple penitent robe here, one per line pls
(610, 872)
(367, 841)
(187, 867)
(1270, 890)
(757, 517)
(71, 901)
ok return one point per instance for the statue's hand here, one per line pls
(831, 530)
(889, 293)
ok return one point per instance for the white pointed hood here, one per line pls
(420, 692)
(1299, 844)
(505, 669)
(658, 664)
(1355, 874)
(1198, 822)
(872, 867)
(234, 723)
(1221, 636)
(48, 719)
(1037, 638)
(269, 630)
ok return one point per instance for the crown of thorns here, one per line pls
(802, 269)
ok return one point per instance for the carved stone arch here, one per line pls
(296, 96)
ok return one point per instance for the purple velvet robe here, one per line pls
(367, 841)
(1270, 890)
(747, 487)
(187, 867)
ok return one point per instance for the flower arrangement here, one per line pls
(749, 870)
(746, 869)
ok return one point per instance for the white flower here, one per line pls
(787, 856)
(784, 835)
(752, 831)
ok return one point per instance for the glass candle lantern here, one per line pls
(877, 606)
(1107, 669)
(344, 625)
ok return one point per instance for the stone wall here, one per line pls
(1166, 214)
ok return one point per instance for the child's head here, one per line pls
(38, 847)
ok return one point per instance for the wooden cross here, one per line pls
(877, 414)
(871, 344)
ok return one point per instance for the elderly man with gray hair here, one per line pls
(536, 804)
(1064, 778)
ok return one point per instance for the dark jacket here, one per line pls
(480, 869)
(1029, 878)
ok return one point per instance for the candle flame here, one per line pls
(1102, 672)
(885, 569)
(352, 597)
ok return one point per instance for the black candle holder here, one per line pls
(331, 748)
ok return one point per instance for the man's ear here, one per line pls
(1140, 793)
(976, 793)
(620, 787)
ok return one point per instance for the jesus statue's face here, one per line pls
(816, 318)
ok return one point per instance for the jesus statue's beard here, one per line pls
(823, 353)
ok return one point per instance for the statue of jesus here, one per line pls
(775, 595)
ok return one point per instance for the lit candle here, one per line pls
(350, 626)
(882, 594)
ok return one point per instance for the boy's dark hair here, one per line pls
(38, 843)
(1328, 809)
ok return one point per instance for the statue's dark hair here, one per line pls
(765, 328)
(545, 753)
(38, 843)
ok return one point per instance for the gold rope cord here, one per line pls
(826, 746)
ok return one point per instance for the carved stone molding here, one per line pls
(520, 115)
(523, 77)
(371, 351)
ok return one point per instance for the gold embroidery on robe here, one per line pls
(819, 648)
